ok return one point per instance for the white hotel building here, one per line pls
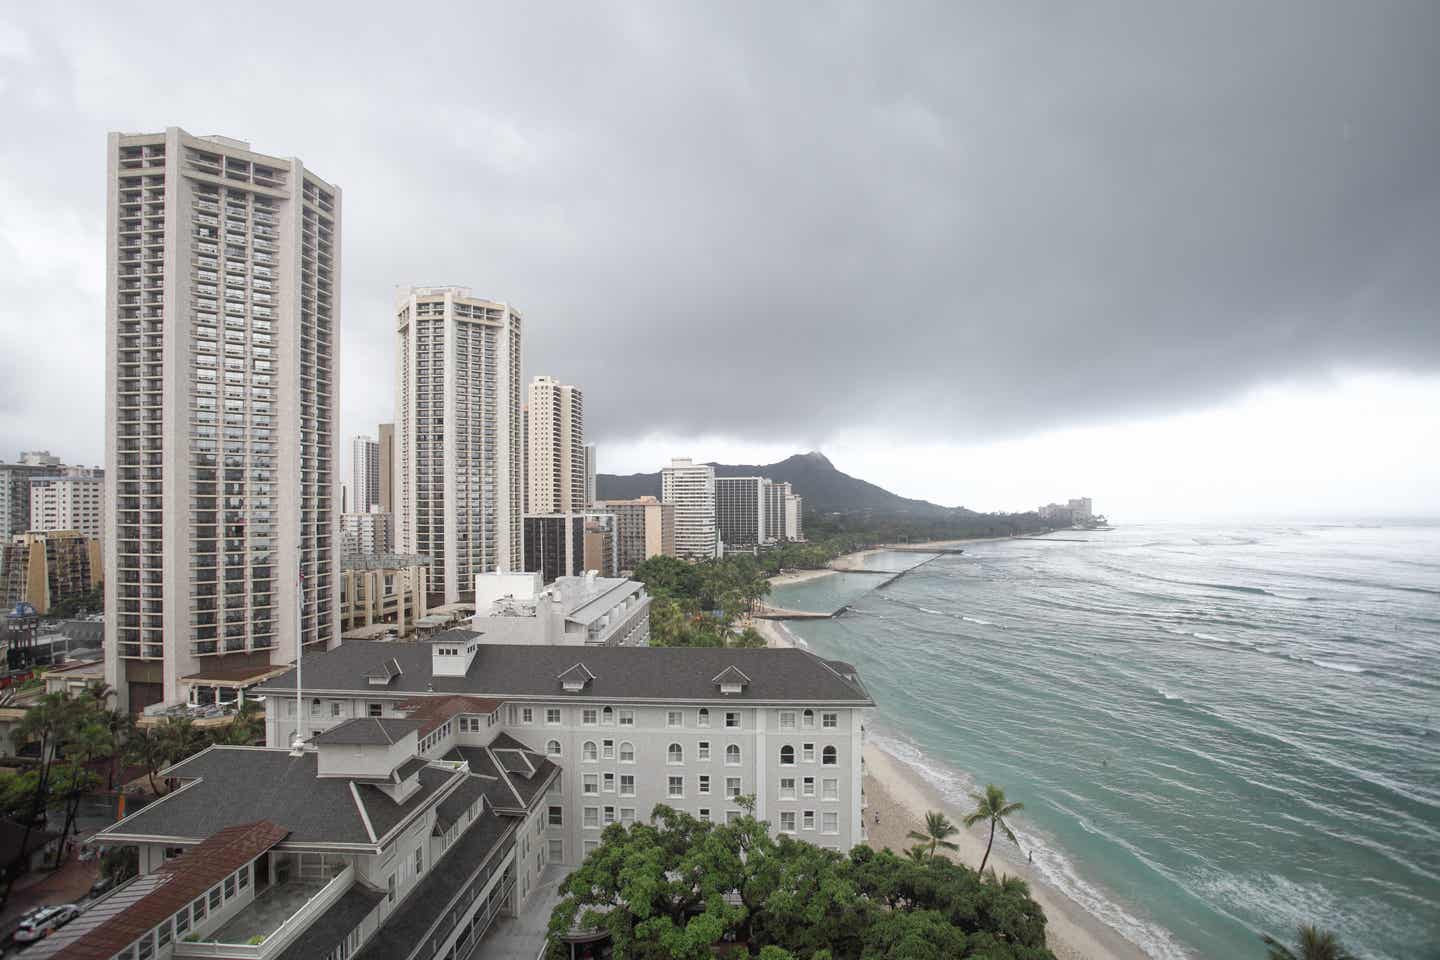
(458, 450)
(222, 330)
(690, 488)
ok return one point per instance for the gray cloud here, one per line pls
(774, 221)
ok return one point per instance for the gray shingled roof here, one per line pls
(514, 671)
(367, 732)
(457, 801)
(325, 932)
(241, 784)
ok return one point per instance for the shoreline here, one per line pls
(849, 562)
(902, 797)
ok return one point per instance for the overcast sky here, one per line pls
(1184, 261)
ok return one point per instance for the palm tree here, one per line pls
(918, 854)
(991, 806)
(937, 829)
(1313, 944)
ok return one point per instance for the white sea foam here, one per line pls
(1342, 667)
(1050, 862)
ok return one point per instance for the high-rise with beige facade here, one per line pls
(644, 528)
(71, 500)
(457, 481)
(222, 329)
(555, 469)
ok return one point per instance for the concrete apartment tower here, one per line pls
(555, 468)
(690, 488)
(740, 511)
(364, 475)
(591, 465)
(386, 432)
(644, 528)
(71, 500)
(457, 481)
(222, 488)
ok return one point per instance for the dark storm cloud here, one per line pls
(775, 221)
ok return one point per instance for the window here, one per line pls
(627, 784)
(702, 719)
(590, 845)
(314, 708)
(552, 748)
(162, 932)
(787, 821)
(831, 788)
(552, 716)
(242, 877)
(557, 816)
(808, 719)
(787, 719)
(592, 818)
(703, 748)
(607, 749)
(589, 716)
(705, 814)
(627, 718)
(375, 709)
(527, 714)
(590, 784)
(556, 851)
(787, 756)
(627, 815)
(607, 782)
(808, 751)
(419, 860)
(609, 816)
(588, 753)
(732, 786)
(732, 755)
(829, 757)
(182, 922)
(808, 785)
(808, 820)
(704, 784)
(830, 721)
(787, 788)
(230, 887)
(675, 753)
(147, 946)
(627, 752)
(732, 720)
(830, 822)
(732, 815)
(197, 909)
(675, 718)
(215, 897)
(677, 787)
(334, 708)
(607, 717)
(390, 888)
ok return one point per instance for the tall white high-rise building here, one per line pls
(222, 330)
(690, 487)
(457, 485)
(73, 500)
(555, 468)
(364, 475)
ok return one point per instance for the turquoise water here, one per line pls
(1215, 731)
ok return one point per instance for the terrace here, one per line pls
(291, 892)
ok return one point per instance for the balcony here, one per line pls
(276, 916)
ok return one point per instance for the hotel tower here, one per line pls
(458, 469)
(222, 329)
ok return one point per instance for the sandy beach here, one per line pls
(902, 797)
(856, 560)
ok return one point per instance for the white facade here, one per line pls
(368, 534)
(222, 303)
(458, 472)
(591, 465)
(690, 487)
(794, 517)
(556, 464)
(364, 474)
(572, 611)
(74, 502)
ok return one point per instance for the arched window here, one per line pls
(828, 757)
(808, 718)
(607, 716)
(588, 752)
(676, 753)
(787, 756)
(732, 754)
(552, 748)
(703, 717)
(627, 752)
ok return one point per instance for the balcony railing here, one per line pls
(277, 939)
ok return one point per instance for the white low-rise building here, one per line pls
(573, 611)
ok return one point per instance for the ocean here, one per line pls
(1215, 730)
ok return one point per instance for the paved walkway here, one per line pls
(522, 937)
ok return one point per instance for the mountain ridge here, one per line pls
(812, 475)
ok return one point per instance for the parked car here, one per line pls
(45, 921)
(103, 885)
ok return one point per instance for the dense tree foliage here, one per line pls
(672, 888)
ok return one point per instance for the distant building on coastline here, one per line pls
(1075, 511)
(740, 511)
(645, 528)
(690, 488)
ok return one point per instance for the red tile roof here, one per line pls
(433, 711)
(175, 884)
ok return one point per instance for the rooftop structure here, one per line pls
(576, 611)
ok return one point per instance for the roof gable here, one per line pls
(575, 677)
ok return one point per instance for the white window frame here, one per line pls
(675, 788)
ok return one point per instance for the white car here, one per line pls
(41, 923)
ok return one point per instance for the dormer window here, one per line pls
(731, 680)
(576, 678)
